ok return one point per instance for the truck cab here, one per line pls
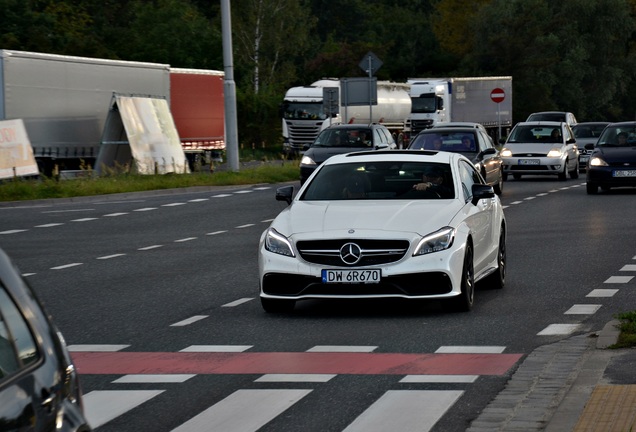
(429, 99)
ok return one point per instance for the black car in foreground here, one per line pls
(612, 160)
(39, 389)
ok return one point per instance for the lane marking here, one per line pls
(150, 247)
(602, 293)
(237, 302)
(115, 214)
(28, 274)
(583, 309)
(198, 200)
(221, 196)
(189, 321)
(145, 209)
(439, 379)
(405, 410)
(49, 225)
(110, 256)
(185, 239)
(217, 348)
(104, 405)
(243, 410)
(559, 329)
(173, 204)
(216, 232)
(65, 266)
(516, 202)
(296, 378)
(244, 226)
(167, 378)
(97, 348)
(342, 348)
(471, 349)
(83, 219)
(260, 188)
(629, 267)
(243, 192)
(619, 279)
(13, 231)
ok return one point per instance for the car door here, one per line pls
(479, 218)
(570, 147)
(491, 162)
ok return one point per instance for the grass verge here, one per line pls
(627, 327)
(44, 188)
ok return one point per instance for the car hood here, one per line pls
(339, 217)
(617, 154)
(538, 148)
(321, 154)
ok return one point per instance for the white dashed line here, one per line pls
(439, 379)
(49, 225)
(267, 220)
(243, 192)
(185, 239)
(516, 202)
(558, 329)
(237, 302)
(542, 194)
(217, 348)
(96, 348)
(153, 379)
(244, 226)
(83, 220)
(145, 209)
(459, 349)
(114, 214)
(189, 321)
(602, 293)
(629, 267)
(28, 274)
(173, 204)
(216, 232)
(221, 196)
(530, 198)
(150, 247)
(583, 309)
(110, 256)
(619, 279)
(295, 378)
(62, 267)
(12, 231)
(342, 348)
(198, 200)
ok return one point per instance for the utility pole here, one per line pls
(229, 90)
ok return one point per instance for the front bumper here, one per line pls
(533, 165)
(607, 176)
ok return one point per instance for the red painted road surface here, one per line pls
(123, 363)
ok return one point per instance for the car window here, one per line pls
(17, 346)
(536, 134)
(456, 141)
(379, 181)
(468, 176)
(618, 136)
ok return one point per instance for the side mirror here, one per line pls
(285, 193)
(488, 151)
(482, 191)
(306, 147)
(589, 146)
(571, 141)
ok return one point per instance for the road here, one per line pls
(157, 297)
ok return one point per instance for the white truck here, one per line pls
(436, 101)
(64, 101)
(304, 116)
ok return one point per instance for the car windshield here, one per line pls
(536, 134)
(350, 137)
(588, 131)
(451, 141)
(618, 136)
(380, 181)
(303, 110)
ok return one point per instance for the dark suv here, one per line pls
(39, 389)
(344, 138)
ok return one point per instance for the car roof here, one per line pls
(436, 130)
(624, 123)
(354, 125)
(591, 123)
(540, 123)
(471, 125)
(396, 156)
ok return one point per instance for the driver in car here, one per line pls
(433, 181)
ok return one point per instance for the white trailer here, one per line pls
(304, 115)
(64, 101)
(467, 99)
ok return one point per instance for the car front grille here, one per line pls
(406, 285)
(372, 252)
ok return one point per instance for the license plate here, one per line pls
(624, 173)
(367, 276)
(528, 161)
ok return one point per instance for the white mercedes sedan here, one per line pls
(385, 224)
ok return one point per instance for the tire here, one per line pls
(497, 279)
(591, 188)
(499, 186)
(277, 305)
(575, 174)
(464, 301)
(564, 175)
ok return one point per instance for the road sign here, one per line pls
(370, 63)
(497, 95)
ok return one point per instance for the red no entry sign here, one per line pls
(497, 95)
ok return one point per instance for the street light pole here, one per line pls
(229, 89)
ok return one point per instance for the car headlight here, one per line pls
(597, 161)
(506, 153)
(554, 153)
(434, 242)
(277, 243)
(306, 160)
